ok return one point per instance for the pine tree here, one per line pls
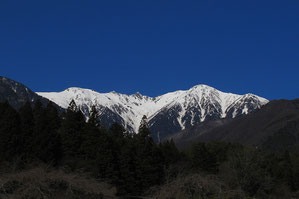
(93, 119)
(148, 158)
(170, 152)
(54, 148)
(73, 106)
(10, 132)
(143, 130)
(288, 171)
(53, 116)
(91, 137)
(127, 165)
(203, 159)
(71, 130)
(116, 135)
(47, 145)
(28, 125)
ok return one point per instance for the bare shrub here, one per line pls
(191, 186)
(38, 183)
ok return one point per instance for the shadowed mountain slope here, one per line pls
(17, 94)
(275, 126)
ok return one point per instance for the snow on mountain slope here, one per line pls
(130, 107)
(181, 108)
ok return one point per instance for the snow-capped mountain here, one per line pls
(168, 113)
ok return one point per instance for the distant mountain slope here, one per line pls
(167, 114)
(18, 94)
(274, 126)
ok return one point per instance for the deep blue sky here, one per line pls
(152, 46)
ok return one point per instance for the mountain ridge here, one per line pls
(180, 109)
(17, 94)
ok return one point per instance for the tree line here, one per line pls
(134, 163)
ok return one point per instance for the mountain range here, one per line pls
(201, 113)
(167, 114)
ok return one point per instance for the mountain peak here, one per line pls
(72, 89)
(202, 87)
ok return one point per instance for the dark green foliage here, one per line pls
(71, 130)
(284, 168)
(47, 146)
(256, 172)
(91, 136)
(73, 106)
(170, 152)
(28, 123)
(127, 167)
(249, 169)
(149, 167)
(93, 119)
(10, 132)
(30, 134)
(203, 158)
(143, 130)
(132, 162)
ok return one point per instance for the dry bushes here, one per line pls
(41, 184)
(196, 186)
(191, 186)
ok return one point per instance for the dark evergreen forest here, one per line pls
(38, 135)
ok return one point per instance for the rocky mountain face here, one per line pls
(18, 94)
(167, 114)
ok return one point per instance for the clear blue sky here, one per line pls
(152, 46)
